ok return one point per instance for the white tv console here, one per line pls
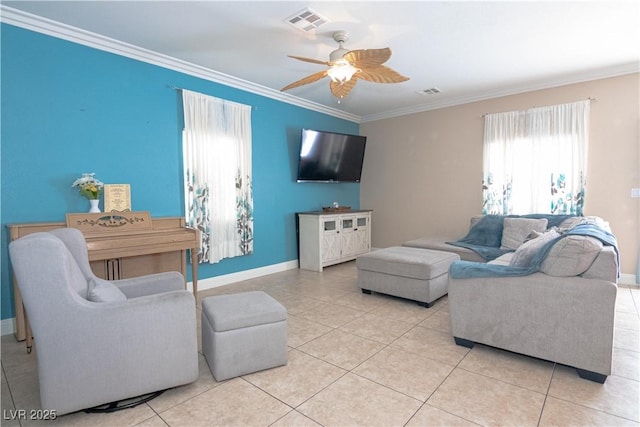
(331, 237)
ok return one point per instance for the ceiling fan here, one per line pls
(347, 66)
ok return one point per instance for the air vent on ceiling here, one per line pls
(307, 20)
(431, 91)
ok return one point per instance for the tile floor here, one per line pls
(371, 360)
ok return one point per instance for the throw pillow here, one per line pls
(104, 291)
(516, 230)
(524, 255)
(571, 256)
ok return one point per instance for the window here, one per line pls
(535, 160)
(217, 167)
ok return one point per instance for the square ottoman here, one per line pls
(243, 333)
(417, 274)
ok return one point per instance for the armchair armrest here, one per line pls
(151, 284)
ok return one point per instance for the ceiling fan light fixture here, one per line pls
(341, 71)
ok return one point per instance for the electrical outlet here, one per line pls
(635, 193)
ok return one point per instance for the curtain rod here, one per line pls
(588, 99)
(168, 86)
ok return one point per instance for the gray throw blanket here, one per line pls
(468, 269)
(485, 237)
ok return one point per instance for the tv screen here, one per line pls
(330, 157)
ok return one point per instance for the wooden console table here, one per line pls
(121, 246)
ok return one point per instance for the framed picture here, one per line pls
(117, 198)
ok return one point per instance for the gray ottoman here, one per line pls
(416, 274)
(243, 333)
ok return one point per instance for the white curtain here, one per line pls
(535, 161)
(217, 167)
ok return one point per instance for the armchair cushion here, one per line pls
(104, 291)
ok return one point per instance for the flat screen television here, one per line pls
(330, 157)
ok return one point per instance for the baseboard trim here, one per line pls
(8, 326)
(227, 279)
(628, 279)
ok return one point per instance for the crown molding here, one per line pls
(603, 73)
(59, 30)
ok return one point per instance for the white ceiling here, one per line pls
(469, 50)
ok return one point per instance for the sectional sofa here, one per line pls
(562, 309)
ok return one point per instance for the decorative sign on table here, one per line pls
(109, 221)
(117, 198)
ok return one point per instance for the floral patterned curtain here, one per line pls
(535, 161)
(217, 167)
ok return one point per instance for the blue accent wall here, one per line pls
(68, 109)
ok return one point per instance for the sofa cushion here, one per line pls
(104, 291)
(516, 230)
(527, 251)
(571, 256)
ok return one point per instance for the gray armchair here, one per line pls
(139, 339)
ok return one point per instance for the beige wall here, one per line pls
(423, 172)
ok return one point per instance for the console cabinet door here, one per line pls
(362, 241)
(331, 240)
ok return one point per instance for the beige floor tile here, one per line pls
(624, 301)
(627, 339)
(565, 414)
(356, 401)
(428, 416)
(627, 321)
(24, 386)
(294, 303)
(404, 310)
(324, 292)
(361, 302)
(528, 372)
(177, 395)
(301, 330)
(234, 403)
(433, 344)
(626, 363)
(617, 396)
(155, 421)
(10, 418)
(487, 401)
(295, 419)
(440, 320)
(126, 418)
(377, 328)
(342, 349)
(301, 378)
(331, 314)
(405, 372)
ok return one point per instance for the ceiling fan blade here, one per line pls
(341, 90)
(368, 58)
(313, 61)
(305, 81)
(381, 74)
